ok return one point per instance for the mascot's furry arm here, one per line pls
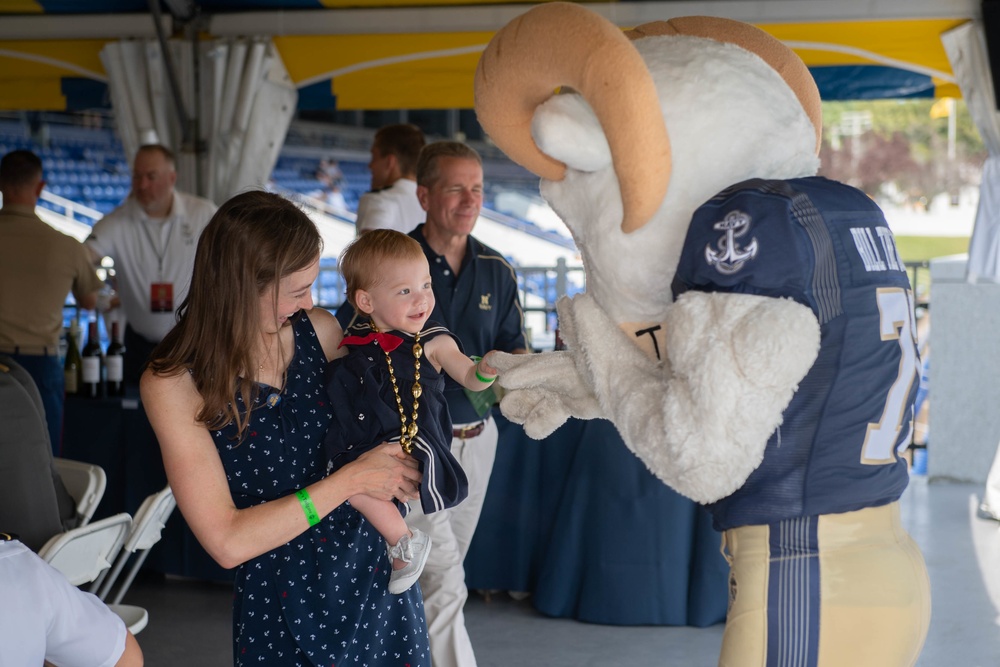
(699, 419)
(658, 121)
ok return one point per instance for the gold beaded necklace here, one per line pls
(407, 431)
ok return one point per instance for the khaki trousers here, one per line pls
(451, 530)
(827, 591)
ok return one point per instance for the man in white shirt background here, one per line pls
(44, 618)
(393, 203)
(152, 238)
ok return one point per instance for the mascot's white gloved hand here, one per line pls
(701, 419)
(543, 390)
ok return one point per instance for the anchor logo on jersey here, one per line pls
(730, 257)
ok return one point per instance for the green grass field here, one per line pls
(924, 248)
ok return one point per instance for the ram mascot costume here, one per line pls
(747, 325)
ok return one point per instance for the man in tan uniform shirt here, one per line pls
(39, 266)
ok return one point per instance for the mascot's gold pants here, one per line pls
(835, 590)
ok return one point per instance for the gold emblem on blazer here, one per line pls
(484, 302)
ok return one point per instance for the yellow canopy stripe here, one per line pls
(435, 70)
(22, 7)
(911, 44)
(418, 71)
(31, 72)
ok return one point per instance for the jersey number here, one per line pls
(895, 309)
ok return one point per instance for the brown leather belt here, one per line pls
(470, 431)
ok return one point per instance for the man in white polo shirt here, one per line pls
(152, 238)
(393, 203)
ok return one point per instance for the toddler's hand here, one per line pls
(485, 368)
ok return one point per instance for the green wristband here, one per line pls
(478, 376)
(312, 516)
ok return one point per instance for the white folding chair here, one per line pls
(84, 553)
(135, 618)
(149, 521)
(146, 530)
(85, 482)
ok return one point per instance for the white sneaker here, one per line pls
(413, 551)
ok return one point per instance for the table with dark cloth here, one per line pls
(577, 520)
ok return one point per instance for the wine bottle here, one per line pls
(93, 364)
(114, 363)
(73, 366)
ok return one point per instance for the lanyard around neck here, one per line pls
(160, 254)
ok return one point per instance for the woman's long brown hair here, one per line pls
(252, 242)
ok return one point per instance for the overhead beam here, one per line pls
(489, 17)
(182, 10)
(78, 26)
(475, 18)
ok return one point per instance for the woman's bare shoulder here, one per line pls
(327, 330)
(167, 387)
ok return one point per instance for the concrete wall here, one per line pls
(964, 382)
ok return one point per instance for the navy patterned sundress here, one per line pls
(321, 599)
(365, 412)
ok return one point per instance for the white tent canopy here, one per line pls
(243, 103)
(966, 48)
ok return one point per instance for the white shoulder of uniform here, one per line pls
(375, 211)
(396, 207)
(364, 201)
(103, 237)
(405, 186)
(123, 211)
(196, 209)
(73, 623)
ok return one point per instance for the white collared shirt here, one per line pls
(44, 617)
(396, 207)
(149, 251)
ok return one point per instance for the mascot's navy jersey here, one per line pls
(827, 246)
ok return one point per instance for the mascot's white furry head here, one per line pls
(654, 121)
(649, 125)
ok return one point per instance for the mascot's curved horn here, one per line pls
(781, 58)
(561, 44)
(550, 46)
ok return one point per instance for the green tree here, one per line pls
(896, 146)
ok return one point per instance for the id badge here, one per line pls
(161, 297)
